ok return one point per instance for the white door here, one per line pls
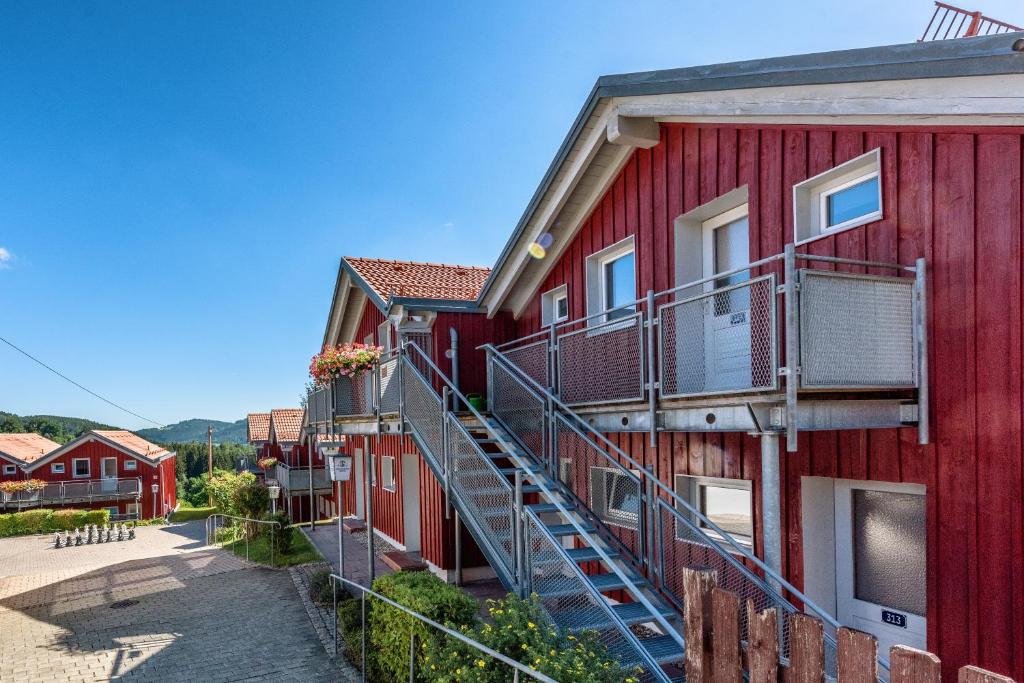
(411, 501)
(727, 315)
(357, 467)
(108, 474)
(880, 561)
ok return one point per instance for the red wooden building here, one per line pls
(385, 302)
(832, 246)
(112, 469)
(18, 451)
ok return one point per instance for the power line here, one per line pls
(85, 389)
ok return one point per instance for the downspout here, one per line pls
(454, 351)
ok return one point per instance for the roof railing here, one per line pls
(949, 22)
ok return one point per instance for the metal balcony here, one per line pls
(793, 341)
(368, 404)
(296, 479)
(75, 491)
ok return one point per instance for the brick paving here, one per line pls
(198, 613)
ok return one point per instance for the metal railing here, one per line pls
(523, 556)
(841, 325)
(949, 21)
(373, 393)
(217, 523)
(83, 490)
(519, 669)
(297, 478)
(659, 531)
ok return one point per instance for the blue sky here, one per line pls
(178, 180)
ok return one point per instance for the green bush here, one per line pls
(390, 628)
(44, 521)
(350, 624)
(251, 500)
(223, 487)
(187, 514)
(522, 631)
(284, 537)
(320, 589)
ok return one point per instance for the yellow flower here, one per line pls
(481, 663)
(524, 646)
(530, 624)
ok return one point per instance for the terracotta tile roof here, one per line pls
(132, 442)
(26, 447)
(259, 426)
(287, 423)
(420, 280)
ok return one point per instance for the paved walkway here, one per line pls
(160, 608)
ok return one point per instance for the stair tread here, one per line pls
(602, 582)
(663, 649)
(569, 529)
(527, 488)
(512, 470)
(587, 554)
(637, 613)
(541, 508)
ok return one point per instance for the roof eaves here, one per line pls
(364, 285)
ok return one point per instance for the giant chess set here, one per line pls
(94, 534)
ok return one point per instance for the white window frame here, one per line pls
(388, 460)
(74, 468)
(810, 197)
(131, 465)
(690, 488)
(57, 468)
(609, 515)
(384, 335)
(373, 470)
(549, 306)
(597, 290)
(10, 469)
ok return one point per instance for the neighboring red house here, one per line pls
(18, 451)
(898, 506)
(383, 302)
(112, 469)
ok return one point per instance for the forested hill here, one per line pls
(195, 430)
(54, 427)
(63, 429)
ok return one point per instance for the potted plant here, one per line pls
(26, 490)
(266, 464)
(344, 360)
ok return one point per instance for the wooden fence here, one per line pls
(714, 653)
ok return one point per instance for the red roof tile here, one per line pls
(26, 447)
(258, 426)
(287, 423)
(420, 280)
(132, 442)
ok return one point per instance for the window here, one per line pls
(839, 199)
(113, 510)
(554, 306)
(131, 510)
(131, 465)
(387, 472)
(727, 503)
(80, 467)
(57, 468)
(611, 281)
(615, 497)
(384, 335)
(373, 469)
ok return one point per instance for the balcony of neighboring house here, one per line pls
(294, 480)
(75, 492)
(788, 343)
(363, 405)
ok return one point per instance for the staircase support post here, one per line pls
(652, 397)
(368, 478)
(650, 555)
(517, 535)
(458, 549)
(771, 506)
(792, 372)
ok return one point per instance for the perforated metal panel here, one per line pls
(856, 331)
(602, 363)
(532, 359)
(720, 342)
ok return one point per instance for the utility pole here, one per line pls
(209, 461)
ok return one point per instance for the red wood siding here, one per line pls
(951, 196)
(473, 330)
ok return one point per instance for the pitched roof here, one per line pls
(412, 280)
(26, 447)
(287, 423)
(258, 426)
(132, 442)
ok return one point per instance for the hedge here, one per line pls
(43, 521)
(390, 628)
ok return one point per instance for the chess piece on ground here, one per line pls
(78, 537)
(131, 533)
(56, 540)
(109, 535)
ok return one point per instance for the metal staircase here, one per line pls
(561, 512)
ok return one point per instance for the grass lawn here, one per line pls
(188, 514)
(301, 552)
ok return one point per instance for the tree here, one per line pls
(251, 500)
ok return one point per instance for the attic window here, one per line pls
(839, 199)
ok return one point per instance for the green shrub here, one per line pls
(321, 590)
(284, 537)
(187, 514)
(522, 631)
(350, 623)
(251, 500)
(390, 628)
(44, 521)
(223, 487)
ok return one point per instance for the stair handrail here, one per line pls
(679, 500)
(511, 449)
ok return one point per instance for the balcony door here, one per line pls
(727, 355)
(108, 475)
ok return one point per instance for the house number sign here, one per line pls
(894, 618)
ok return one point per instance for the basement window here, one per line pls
(387, 472)
(841, 198)
(615, 497)
(727, 503)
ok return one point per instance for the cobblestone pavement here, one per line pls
(191, 613)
